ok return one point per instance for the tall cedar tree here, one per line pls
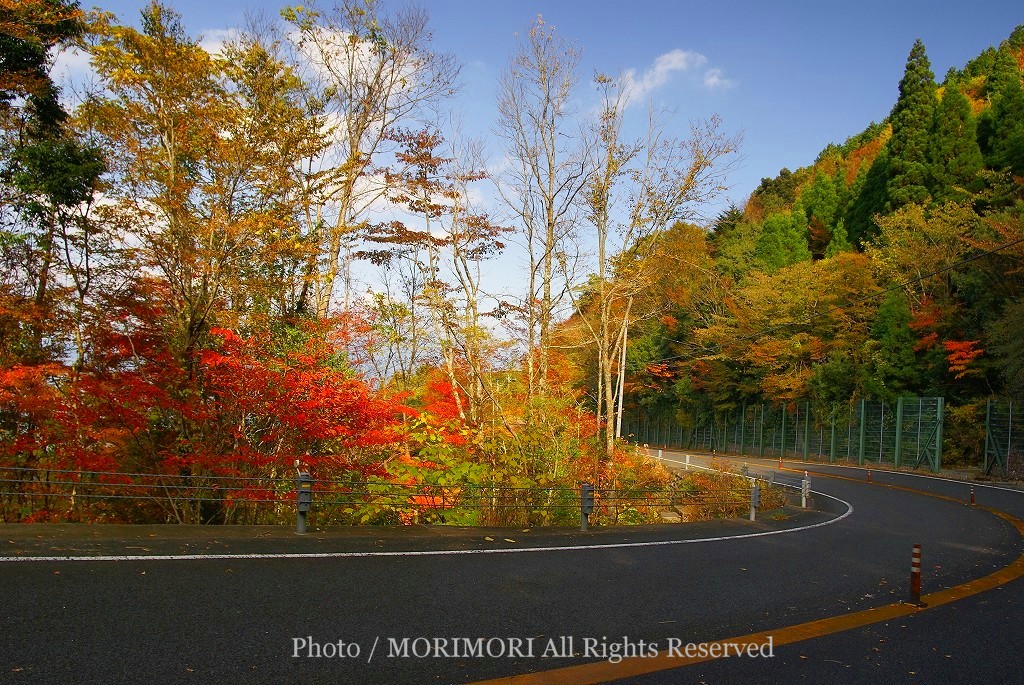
(999, 70)
(821, 204)
(1007, 140)
(895, 371)
(912, 119)
(821, 200)
(783, 240)
(726, 223)
(955, 155)
(870, 196)
(839, 242)
(1004, 71)
(842, 192)
(1007, 344)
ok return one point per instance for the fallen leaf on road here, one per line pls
(509, 540)
(489, 539)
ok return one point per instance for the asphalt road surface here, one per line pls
(122, 611)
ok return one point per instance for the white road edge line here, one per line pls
(735, 458)
(914, 475)
(429, 553)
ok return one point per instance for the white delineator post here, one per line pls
(915, 575)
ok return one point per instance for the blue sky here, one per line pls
(792, 76)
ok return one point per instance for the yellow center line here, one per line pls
(891, 486)
(603, 671)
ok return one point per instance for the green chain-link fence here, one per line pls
(1004, 438)
(907, 433)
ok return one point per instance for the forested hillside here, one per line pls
(889, 266)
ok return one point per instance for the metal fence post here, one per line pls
(796, 431)
(898, 452)
(940, 419)
(988, 432)
(586, 504)
(863, 431)
(832, 440)
(737, 429)
(921, 418)
(303, 500)
(1009, 437)
(782, 448)
(881, 433)
(849, 436)
(760, 435)
(807, 430)
(743, 429)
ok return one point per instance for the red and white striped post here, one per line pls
(915, 575)
(972, 494)
(869, 475)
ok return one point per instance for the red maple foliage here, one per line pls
(302, 401)
(960, 354)
(438, 397)
(242, 406)
(925, 323)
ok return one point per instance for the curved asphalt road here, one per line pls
(975, 640)
(235, 620)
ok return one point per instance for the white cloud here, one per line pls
(713, 79)
(665, 66)
(659, 73)
(214, 39)
(330, 53)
